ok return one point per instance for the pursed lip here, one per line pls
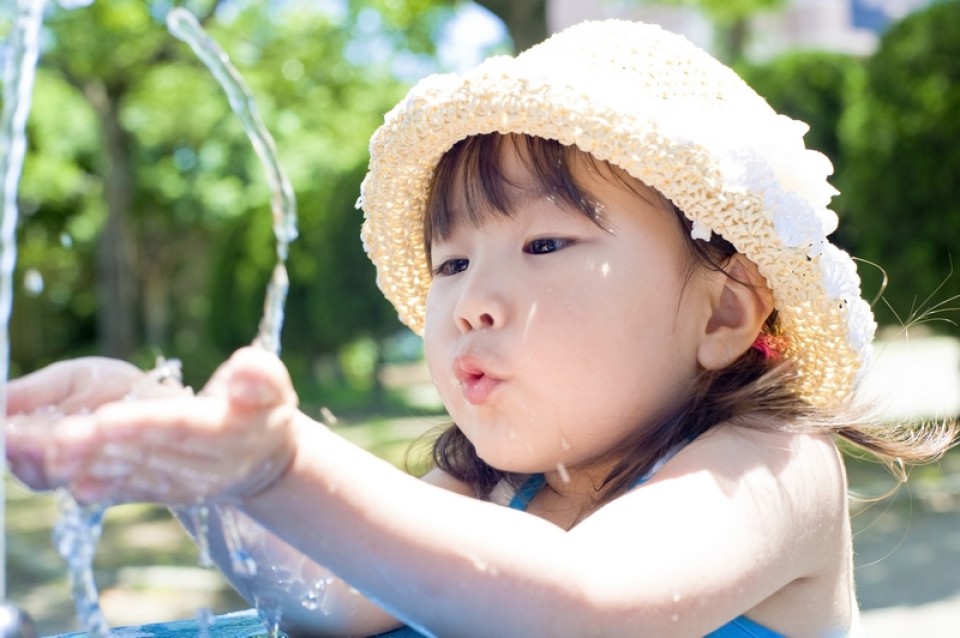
(475, 380)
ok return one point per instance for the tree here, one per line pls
(104, 64)
(526, 20)
(133, 149)
(903, 164)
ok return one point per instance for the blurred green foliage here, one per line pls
(902, 164)
(127, 124)
(323, 75)
(891, 125)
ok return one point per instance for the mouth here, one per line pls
(475, 383)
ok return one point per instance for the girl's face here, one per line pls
(551, 337)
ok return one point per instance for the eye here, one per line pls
(544, 245)
(451, 267)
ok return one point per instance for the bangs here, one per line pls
(470, 183)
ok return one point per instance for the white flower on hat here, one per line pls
(796, 223)
(861, 327)
(840, 280)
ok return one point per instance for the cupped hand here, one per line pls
(231, 441)
(38, 401)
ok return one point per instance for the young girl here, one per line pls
(616, 253)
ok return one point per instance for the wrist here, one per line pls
(270, 475)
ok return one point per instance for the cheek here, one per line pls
(434, 351)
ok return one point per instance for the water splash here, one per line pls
(75, 536)
(78, 529)
(184, 25)
(315, 595)
(199, 517)
(270, 612)
(241, 561)
(19, 71)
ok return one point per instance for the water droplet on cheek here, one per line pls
(564, 444)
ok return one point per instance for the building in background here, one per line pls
(848, 26)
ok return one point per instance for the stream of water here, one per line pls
(78, 529)
(20, 65)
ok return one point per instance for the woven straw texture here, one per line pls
(670, 115)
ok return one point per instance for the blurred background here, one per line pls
(145, 230)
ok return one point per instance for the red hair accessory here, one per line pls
(770, 346)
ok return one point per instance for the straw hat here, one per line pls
(670, 115)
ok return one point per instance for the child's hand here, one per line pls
(232, 441)
(37, 401)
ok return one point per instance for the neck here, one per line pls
(582, 484)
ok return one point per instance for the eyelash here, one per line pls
(445, 269)
(555, 244)
(539, 246)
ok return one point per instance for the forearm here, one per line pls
(310, 599)
(434, 558)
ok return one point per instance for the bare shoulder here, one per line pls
(796, 478)
(746, 521)
(735, 451)
(793, 487)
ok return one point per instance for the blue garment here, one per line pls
(740, 627)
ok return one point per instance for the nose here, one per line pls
(482, 302)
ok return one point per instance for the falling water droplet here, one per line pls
(327, 416)
(562, 471)
(33, 282)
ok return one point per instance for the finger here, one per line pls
(39, 389)
(26, 438)
(139, 438)
(72, 386)
(254, 378)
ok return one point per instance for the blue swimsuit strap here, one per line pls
(532, 486)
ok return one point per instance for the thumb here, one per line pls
(257, 379)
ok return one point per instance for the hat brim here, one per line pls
(827, 324)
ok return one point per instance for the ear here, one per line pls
(740, 304)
